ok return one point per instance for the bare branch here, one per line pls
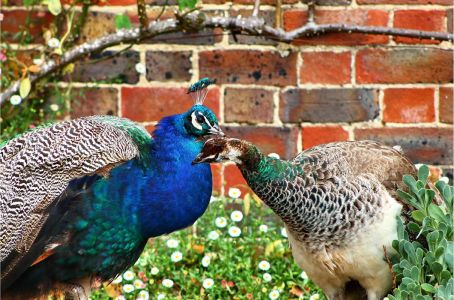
(255, 12)
(311, 12)
(142, 12)
(278, 14)
(197, 21)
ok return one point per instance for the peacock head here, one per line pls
(200, 121)
(221, 149)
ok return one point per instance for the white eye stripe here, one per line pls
(208, 122)
(194, 122)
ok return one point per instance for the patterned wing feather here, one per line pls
(35, 169)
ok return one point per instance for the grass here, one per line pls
(208, 260)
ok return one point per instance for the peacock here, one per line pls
(338, 202)
(80, 198)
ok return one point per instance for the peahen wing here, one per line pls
(35, 169)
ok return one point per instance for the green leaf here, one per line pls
(439, 252)
(449, 257)
(182, 4)
(432, 239)
(54, 7)
(25, 87)
(423, 173)
(413, 227)
(122, 22)
(436, 212)
(410, 182)
(418, 215)
(28, 3)
(436, 268)
(428, 288)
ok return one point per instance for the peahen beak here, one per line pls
(216, 130)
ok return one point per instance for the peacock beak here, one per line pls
(202, 158)
(216, 130)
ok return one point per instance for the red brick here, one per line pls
(446, 103)
(429, 20)
(14, 22)
(326, 67)
(248, 66)
(169, 65)
(280, 140)
(104, 2)
(145, 104)
(316, 135)
(234, 178)
(93, 101)
(216, 172)
(97, 24)
(267, 2)
(404, 105)
(449, 20)
(297, 18)
(408, 65)
(248, 105)
(421, 145)
(441, 2)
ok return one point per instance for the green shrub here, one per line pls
(425, 247)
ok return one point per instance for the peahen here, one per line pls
(80, 198)
(338, 204)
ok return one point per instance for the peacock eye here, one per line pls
(200, 119)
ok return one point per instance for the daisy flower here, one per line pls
(54, 107)
(263, 228)
(15, 100)
(284, 232)
(444, 179)
(304, 275)
(220, 222)
(234, 193)
(417, 166)
(314, 297)
(264, 265)
(208, 283)
(154, 271)
(121, 297)
(274, 294)
(38, 61)
(176, 256)
(117, 279)
(138, 284)
(143, 295)
(274, 155)
(234, 231)
(140, 68)
(161, 296)
(206, 260)
(167, 283)
(53, 43)
(172, 243)
(236, 216)
(213, 235)
(267, 277)
(128, 288)
(128, 275)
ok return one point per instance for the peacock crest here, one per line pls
(199, 91)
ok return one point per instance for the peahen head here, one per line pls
(200, 121)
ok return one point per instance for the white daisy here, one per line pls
(274, 294)
(53, 43)
(167, 283)
(172, 243)
(154, 271)
(128, 275)
(206, 260)
(140, 68)
(15, 99)
(304, 275)
(417, 166)
(234, 231)
(138, 284)
(236, 216)
(176, 256)
(263, 228)
(213, 235)
(444, 179)
(208, 283)
(220, 222)
(143, 295)
(161, 296)
(37, 61)
(314, 297)
(117, 279)
(234, 193)
(54, 107)
(284, 232)
(121, 297)
(264, 265)
(267, 277)
(274, 155)
(128, 288)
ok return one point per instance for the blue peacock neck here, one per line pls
(181, 191)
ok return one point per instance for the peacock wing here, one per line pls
(36, 167)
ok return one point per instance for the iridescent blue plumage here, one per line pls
(102, 223)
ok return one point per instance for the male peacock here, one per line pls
(338, 204)
(79, 199)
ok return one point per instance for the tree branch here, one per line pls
(142, 12)
(255, 11)
(196, 20)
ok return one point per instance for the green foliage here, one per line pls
(207, 251)
(122, 22)
(425, 246)
(182, 4)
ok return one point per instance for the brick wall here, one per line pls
(284, 98)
